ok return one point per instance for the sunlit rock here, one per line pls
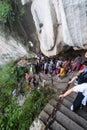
(60, 23)
(37, 125)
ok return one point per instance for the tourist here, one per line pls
(28, 78)
(34, 82)
(57, 70)
(77, 62)
(45, 67)
(62, 72)
(59, 62)
(31, 70)
(42, 58)
(81, 98)
(66, 65)
(50, 67)
(81, 76)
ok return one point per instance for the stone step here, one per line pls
(53, 102)
(73, 116)
(66, 103)
(56, 126)
(85, 108)
(48, 109)
(43, 117)
(69, 99)
(72, 99)
(80, 112)
(66, 122)
(65, 110)
(64, 116)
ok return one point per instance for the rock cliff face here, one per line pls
(10, 48)
(60, 23)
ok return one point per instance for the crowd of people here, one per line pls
(81, 87)
(61, 68)
(55, 66)
(51, 66)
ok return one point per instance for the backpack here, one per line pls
(82, 78)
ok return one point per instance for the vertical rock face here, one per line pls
(60, 23)
(10, 49)
(76, 18)
(47, 17)
(26, 28)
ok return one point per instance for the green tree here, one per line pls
(11, 11)
(5, 11)
(12, 116)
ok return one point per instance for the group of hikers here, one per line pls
(56, 66)
(51, 66)
(80, 88)
(61, 69)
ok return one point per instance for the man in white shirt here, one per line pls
(81, 89)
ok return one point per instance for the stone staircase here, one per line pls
(57, 114)
(63, 118)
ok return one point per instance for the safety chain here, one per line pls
(52, 116)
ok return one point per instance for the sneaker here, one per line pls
(71, 108)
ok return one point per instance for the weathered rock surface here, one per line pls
(60, 23)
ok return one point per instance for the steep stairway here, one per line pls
(57, 115)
